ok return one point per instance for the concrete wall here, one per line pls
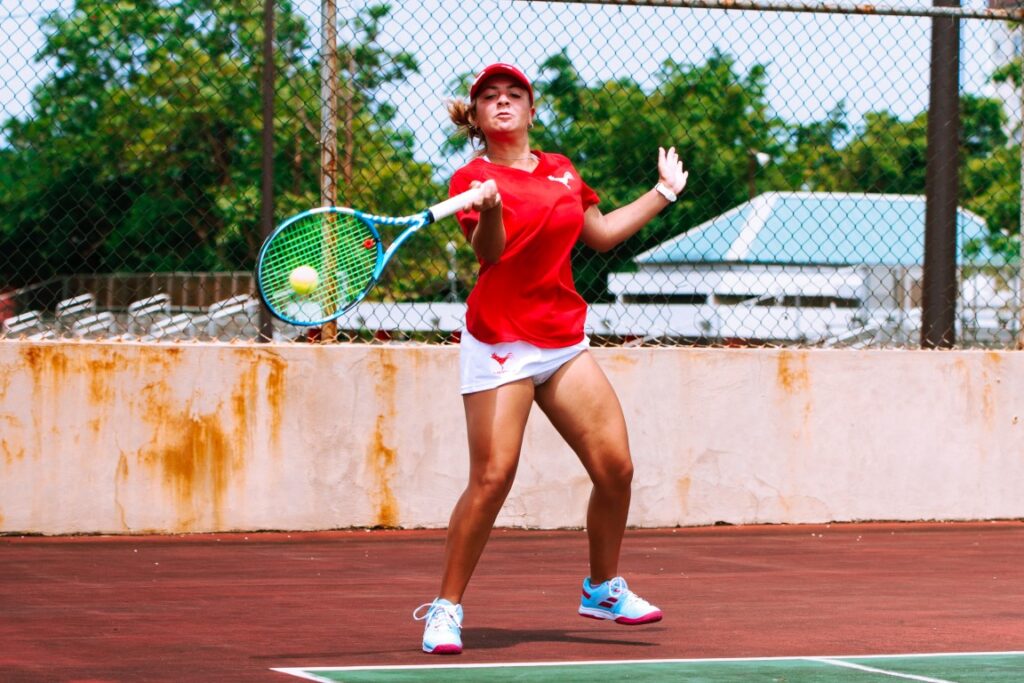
(124, 437)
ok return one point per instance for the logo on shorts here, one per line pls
(500, 360)
(566, 177)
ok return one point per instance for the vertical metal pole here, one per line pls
(267, 199)
(348, 159)
(329, 126)
(1020, 222)
(453, 272)
(939, 295)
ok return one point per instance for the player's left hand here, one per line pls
(670, 170)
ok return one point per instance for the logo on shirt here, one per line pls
(500, 360)
(566, 177)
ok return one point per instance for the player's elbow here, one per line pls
(598, 233)
(599, 243)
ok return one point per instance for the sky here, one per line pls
(814, 60)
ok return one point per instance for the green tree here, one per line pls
(143, 152)
(813, 160)
(144, 125)
(993, 181)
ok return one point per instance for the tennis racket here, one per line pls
(319, 264)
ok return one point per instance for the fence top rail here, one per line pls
(868, 9)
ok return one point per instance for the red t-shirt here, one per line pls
(529, 294)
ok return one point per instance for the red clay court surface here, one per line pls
(230, 607)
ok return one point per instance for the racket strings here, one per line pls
(342, 250)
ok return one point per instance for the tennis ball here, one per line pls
(304, 279)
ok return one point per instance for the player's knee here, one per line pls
(624, 474)
(493, 484)
(615, 475)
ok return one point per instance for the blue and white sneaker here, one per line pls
(442, 634)
(613, 600)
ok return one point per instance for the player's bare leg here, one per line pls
(496, 421)
(582, 405)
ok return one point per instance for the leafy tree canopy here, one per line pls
(144, 149)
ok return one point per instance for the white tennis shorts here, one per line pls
(486, 366)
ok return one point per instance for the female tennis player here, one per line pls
(524, 342)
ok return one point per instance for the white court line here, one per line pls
(871, 669)
(304, 671)
(299, 672)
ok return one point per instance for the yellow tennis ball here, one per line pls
(304, 279)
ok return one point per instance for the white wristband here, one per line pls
(665, 192)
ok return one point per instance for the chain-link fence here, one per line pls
(130, 164)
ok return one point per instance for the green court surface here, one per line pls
(976, 667)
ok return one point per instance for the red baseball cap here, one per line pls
(500, 69)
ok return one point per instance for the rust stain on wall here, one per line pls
(795, 379)
(195, 451)
(386, 371)
(122, 468)
(40, 360)
(13, 452)
(251, 391)
(101, 373)
(979, 388)
(53, 370)
(191, 453)
(47, 367)
(992, 374)
(103, 376)
(120, 477)
(383, 458)
(684, 485)
(10, 425)
(6, 373)
(621, 360)
(792, 372)
(382, 465)
(275, 392)
(193, 456)
(199, 454)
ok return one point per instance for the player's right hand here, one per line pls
(489, 196)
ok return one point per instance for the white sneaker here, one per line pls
(442, 634)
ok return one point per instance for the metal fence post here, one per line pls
(329, 126)
(939, 295)
(1020, 221)
(267, 185)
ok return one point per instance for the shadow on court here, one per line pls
(497, 638)
(485, 638)
(229, 607)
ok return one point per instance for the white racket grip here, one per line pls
(456, 203)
